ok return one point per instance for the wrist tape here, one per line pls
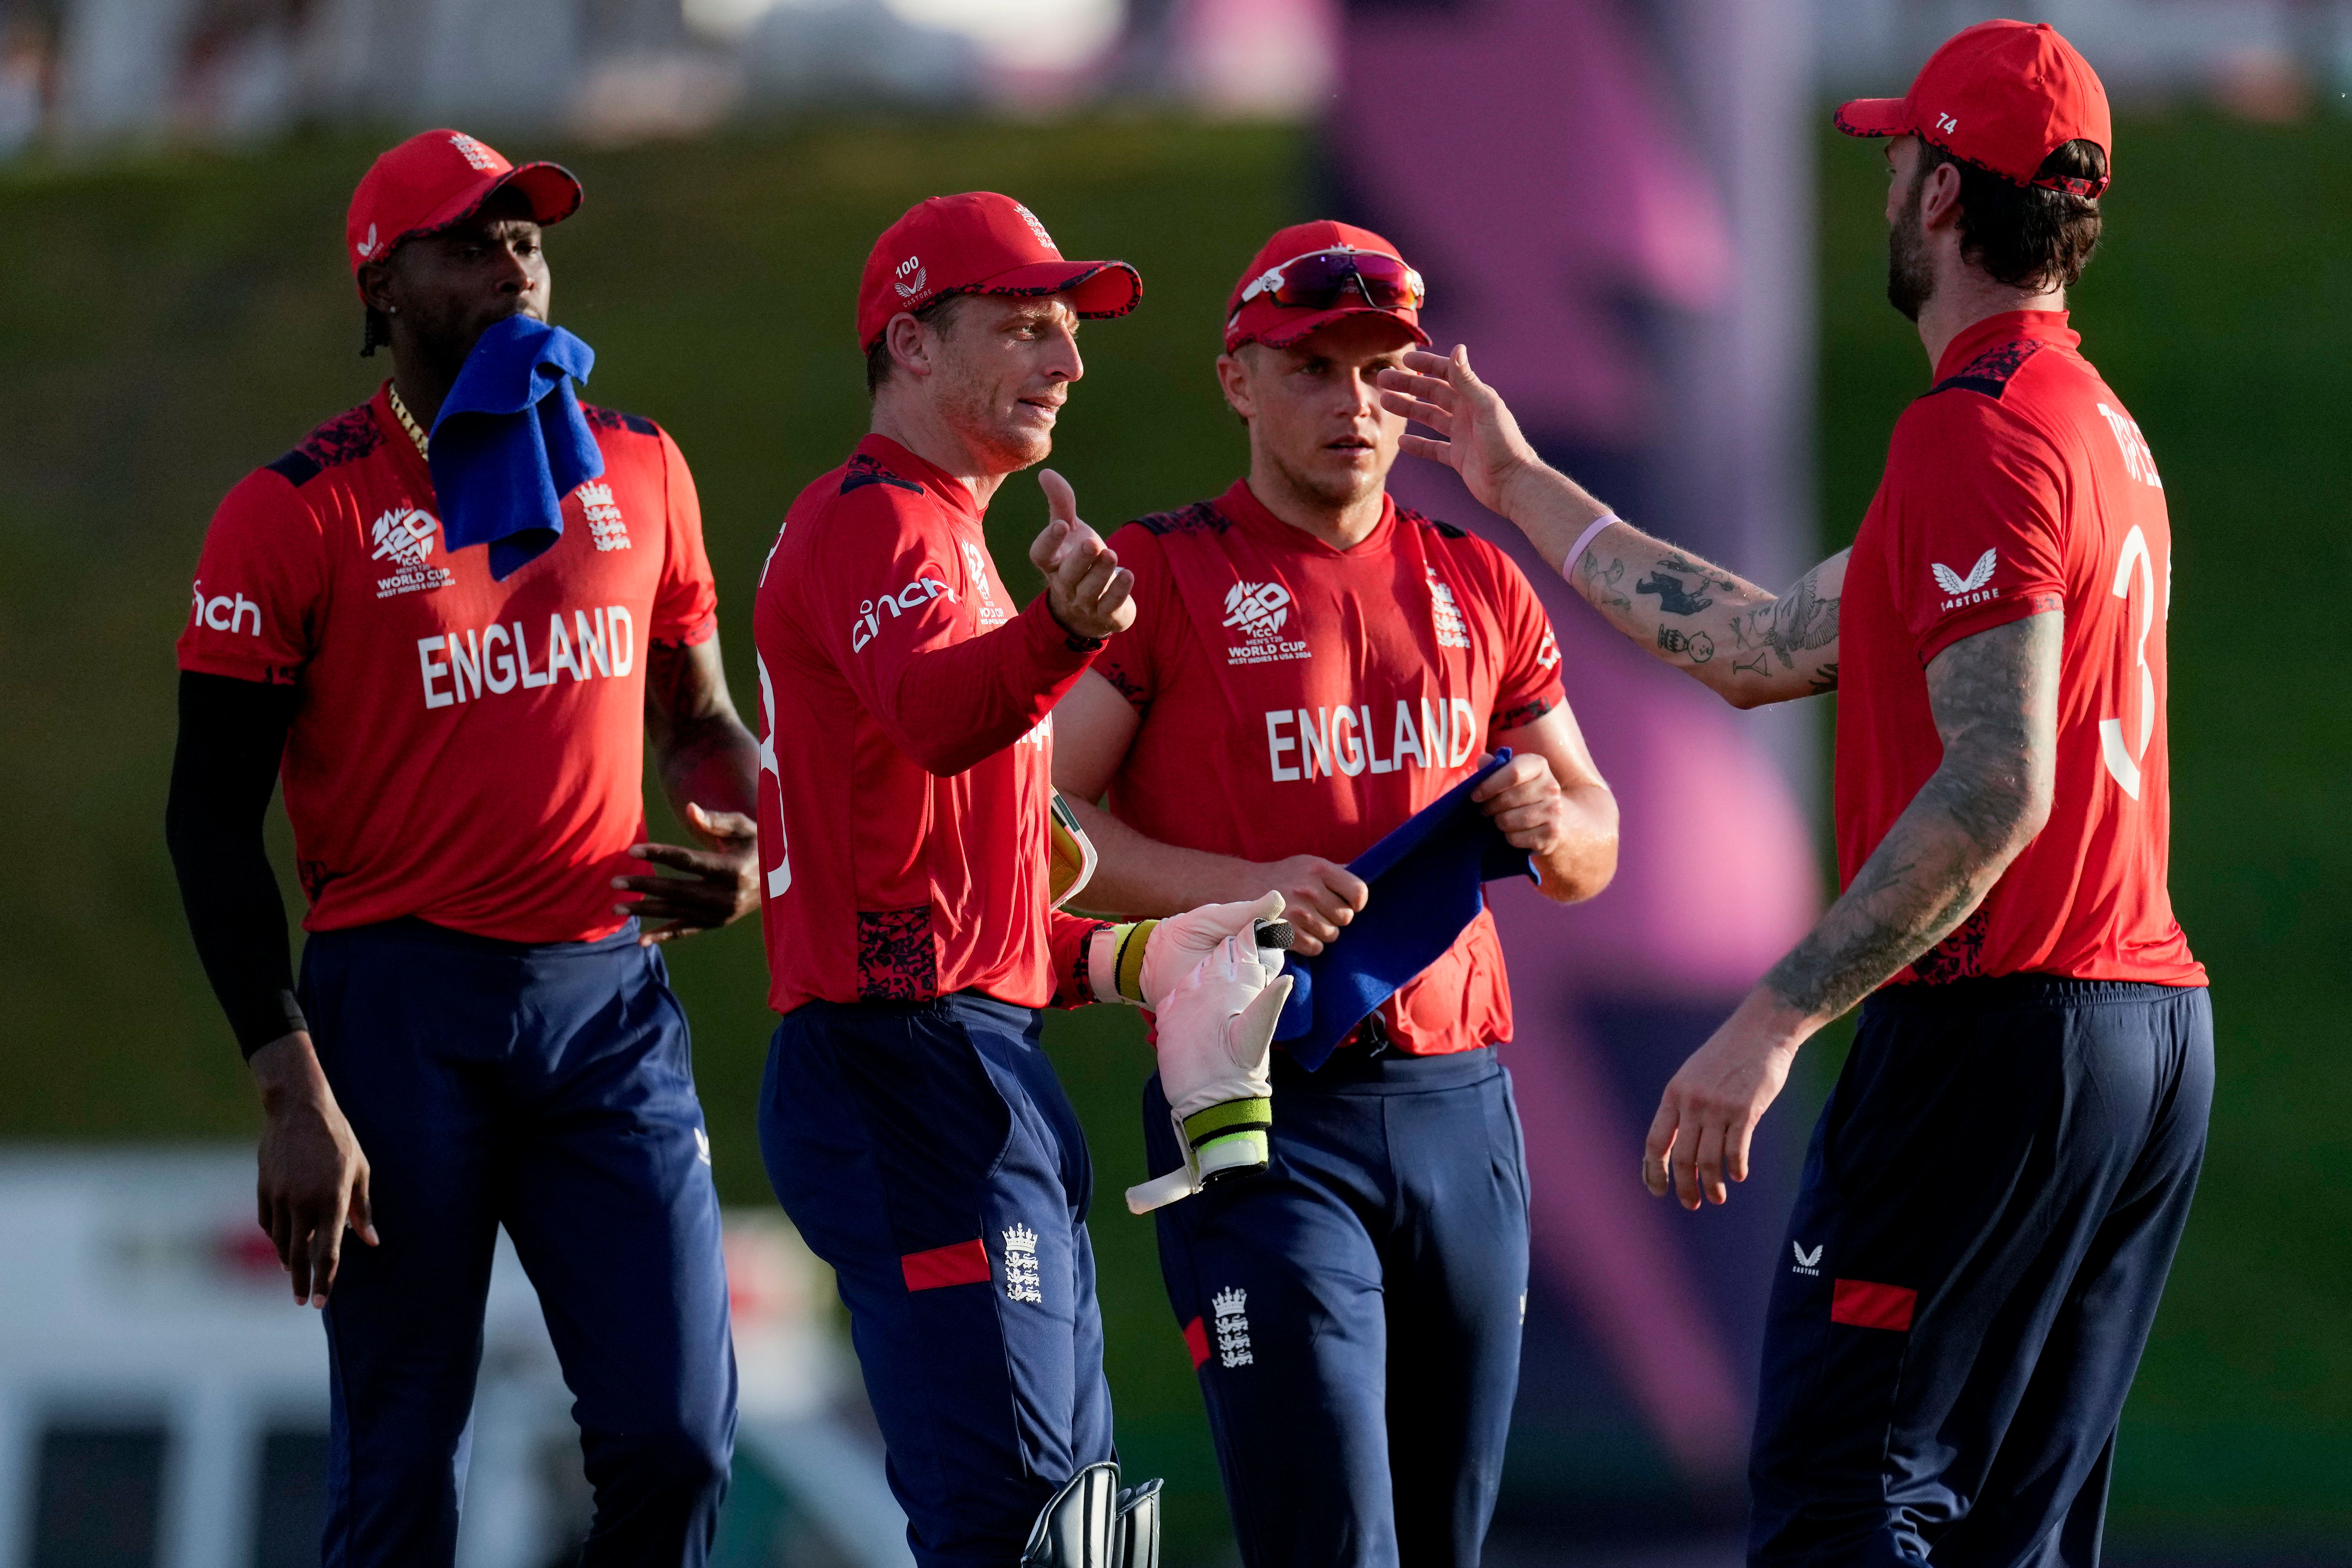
(1231, 1138)
(1115, 961)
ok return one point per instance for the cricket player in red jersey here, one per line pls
(1311, 665)
(1995, 1190)
(482, 1038)
(912, 1127)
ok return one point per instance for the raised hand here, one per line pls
(715, 885)
(1088, 592)
(1480, 439)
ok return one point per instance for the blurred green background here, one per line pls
(166, 327)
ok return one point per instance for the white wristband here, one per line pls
(1102, 966)
(1583, 541)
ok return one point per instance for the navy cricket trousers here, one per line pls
(549, 1089)
(1990, 1205)
(1355, 1312)
(926, 1151)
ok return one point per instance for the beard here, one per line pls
(1910, 280)
(969, 405)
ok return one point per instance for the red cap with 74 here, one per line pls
(2003, 96)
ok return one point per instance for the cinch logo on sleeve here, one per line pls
(403, 537)
(599, 645)
(1970, 589)
(226, 612)
(1346, 742)
(1259, 611)
(913, 596)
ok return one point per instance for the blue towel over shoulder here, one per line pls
(510, 442)
(1428, 883)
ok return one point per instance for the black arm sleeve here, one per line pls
(232, 736)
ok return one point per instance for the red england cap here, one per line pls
(437, 178)
(980, 243)
(2003, 96)
(1253, 314)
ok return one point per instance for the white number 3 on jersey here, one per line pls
(2123, 761)
(780, 874)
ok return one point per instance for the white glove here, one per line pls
(1139, 963)
(1216, 1031)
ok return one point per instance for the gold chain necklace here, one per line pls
(400, 411)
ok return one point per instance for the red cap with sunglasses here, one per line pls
(1310, 275)
(2003, 96)
(437, 178)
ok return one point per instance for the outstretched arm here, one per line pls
(1748, 646)
(1995, 700)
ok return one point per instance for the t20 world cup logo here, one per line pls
(1259, 609)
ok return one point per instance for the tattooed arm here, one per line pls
(1748, 646)
(710, 768)
(1995, 701)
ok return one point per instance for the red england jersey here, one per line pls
(906, 754)
(1299, 699)
(464, 751)
(2020, 484)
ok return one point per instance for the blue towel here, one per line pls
(1427, 881)
(510, 442)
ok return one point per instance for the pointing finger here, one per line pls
(1061, 500)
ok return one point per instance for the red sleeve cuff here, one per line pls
(1061, 653)
(687, 634)
(260, 670)
(1984, 617)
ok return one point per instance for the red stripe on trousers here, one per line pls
(965, 1263)
(1196, 1340)
(1868, 1305)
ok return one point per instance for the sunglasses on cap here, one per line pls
(1322, 279)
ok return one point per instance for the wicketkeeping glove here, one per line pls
(1216, 1029)
(1138, 963)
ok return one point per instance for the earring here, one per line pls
(392, 309)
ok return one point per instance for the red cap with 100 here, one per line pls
(980, 243)
(2003, 96)
(437, 178)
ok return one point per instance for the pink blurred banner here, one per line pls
(1536, 160)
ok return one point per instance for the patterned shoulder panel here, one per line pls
(1405, 514)
(866, 470)
(613, 419)
(347, 438)
(1991, 371)
(1201, 517)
